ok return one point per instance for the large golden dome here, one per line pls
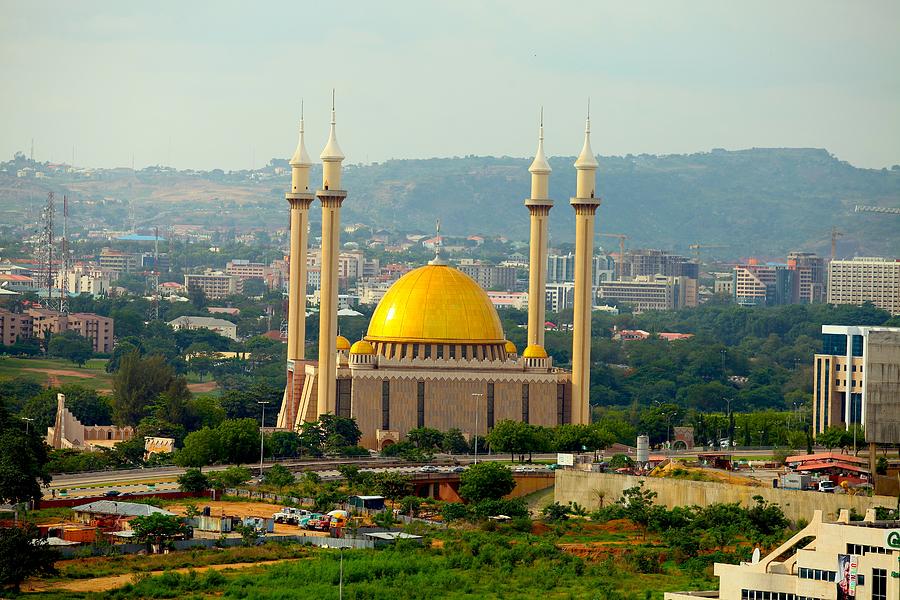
(438, 304)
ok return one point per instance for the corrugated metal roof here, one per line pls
(125, 509)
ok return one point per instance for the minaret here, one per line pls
(300, 199)
(332, 196)
(539, 205)
(585, 204)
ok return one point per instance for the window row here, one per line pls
(817, 574)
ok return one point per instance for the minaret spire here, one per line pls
(539, 205)
(438, 260)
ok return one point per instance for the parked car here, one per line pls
(457, 469)
(827, 486)
(428, 469)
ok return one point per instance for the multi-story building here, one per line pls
(118, 261)
(845, 559)
(561, 268)
(875, 280)
(491, 277)
(14, 327)
(560, 296)
(96, 328)
(756, 284)
(724, 287)
(215, 285)
(244, 269)
(652, 293)
(79, 281)
(857, 381)
(516, 300)
(647, 262)
(810, 270)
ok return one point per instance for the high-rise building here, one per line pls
(857, 381)
(875, 280)
(491, 277)
(645, 293)
(769, 284)
(561, 268)
(810, 270)
(650, 262)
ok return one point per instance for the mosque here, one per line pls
(435, 354)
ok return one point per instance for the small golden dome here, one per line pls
(362, 347)
(437, 304)
(534, 351)
(511, 348)
(343, 343)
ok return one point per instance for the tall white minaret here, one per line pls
(585, 204)
(299, 199)
(332, 196)
(539, 206)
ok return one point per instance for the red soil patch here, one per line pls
(206, 386)
(63, 372)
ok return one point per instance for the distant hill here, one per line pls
(762, 202)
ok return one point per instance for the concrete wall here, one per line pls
(582, 487)
(883, 387)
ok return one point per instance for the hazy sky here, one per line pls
(218, 84)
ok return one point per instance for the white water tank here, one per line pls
(643, 449)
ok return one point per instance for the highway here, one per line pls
(164, 478)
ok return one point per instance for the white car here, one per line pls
(827, 486)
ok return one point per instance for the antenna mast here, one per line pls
(44, 250)
(153, 280)
(64, 261)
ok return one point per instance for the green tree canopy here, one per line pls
(486, 481)
(71, 346)
(24, 553)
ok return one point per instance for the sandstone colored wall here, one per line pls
(582, 487)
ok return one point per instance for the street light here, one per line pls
(27, 422)
(477, 397)
(262, 436)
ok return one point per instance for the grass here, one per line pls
(96, 376)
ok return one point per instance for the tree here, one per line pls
(284, 444)
(638, 505)
(239, 439)
(425, 438)
(410, 505)
(158, 530)
(832, 437)
(71, 346)
(510, 436)
(486, 481)
(339, 431)
(279, 477)
(392, 485)
(136, 384)
(229, 478)
(453, 511)
(23, 461)
(87, 405)
(201, 448)
(350, 473)
(454, 442)
(193, 481)
(24, 553)
(555, 512)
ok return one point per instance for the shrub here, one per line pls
(453, 511)
(491, 508)
(555, 512)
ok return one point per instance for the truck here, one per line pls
(290, 515)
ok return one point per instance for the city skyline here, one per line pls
(177, 87)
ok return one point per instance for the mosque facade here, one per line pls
(435, 354)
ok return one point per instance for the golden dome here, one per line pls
(342, 343)
(362, 347)
(436, 303)
(511, 348)
(534, 351)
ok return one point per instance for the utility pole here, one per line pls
(262, 436)
(477, 396)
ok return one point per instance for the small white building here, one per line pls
(824, 561)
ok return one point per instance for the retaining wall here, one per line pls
(583, 487)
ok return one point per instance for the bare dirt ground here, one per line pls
(102, 584)
(246, 509)
(63, 372)
(206, 386)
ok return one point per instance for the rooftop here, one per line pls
(125, 509)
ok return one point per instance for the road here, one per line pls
(164, 478)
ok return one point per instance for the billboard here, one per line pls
(848, 568)
(892, 539)
(565, 460)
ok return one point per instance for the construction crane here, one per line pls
(877, 209)
(622, 237)
(697, 247)
(835, 234)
